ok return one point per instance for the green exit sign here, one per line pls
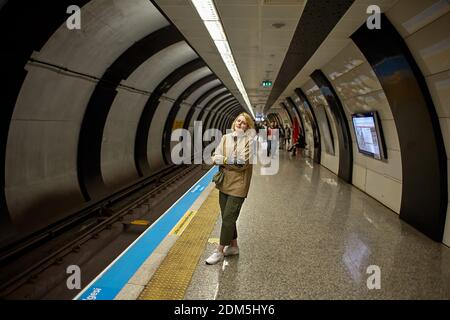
(266, 83)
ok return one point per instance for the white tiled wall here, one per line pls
(309, 134)
(425, 25)
(285, 117)
(316, 98)
(359, 90)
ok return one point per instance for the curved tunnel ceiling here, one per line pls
(216, 109)
(115, 54)
(165, 143)
(260, 46)
(97, 110)
(195, 106)
(316, 23)
(85, 112)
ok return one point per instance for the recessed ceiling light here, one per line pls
(208, 13)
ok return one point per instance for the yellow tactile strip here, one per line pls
(183, 223)
(172, 278)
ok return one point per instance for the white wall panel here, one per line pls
(359, 90)
(316, 99)
(430, 46)
(359, 176)
(439, 85)
(409, 16)
(385, 190)
(372, 101)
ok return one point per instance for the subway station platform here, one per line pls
(106, 101)
(303, 234)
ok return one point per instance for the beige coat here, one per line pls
(238, 169)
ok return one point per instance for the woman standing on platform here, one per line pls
(233, 155)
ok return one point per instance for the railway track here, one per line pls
(69, 235)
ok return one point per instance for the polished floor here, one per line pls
(305, 234)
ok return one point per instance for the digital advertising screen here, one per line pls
(368, 135)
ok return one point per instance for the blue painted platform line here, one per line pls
(109, 283)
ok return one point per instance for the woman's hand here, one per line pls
(218, 159)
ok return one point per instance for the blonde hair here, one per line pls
(248, 119)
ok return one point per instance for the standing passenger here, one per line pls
(269, 139)
(233, 155)
(287, 132)
(282, 136)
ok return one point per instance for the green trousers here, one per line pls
(230, 208)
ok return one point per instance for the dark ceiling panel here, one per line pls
(318, 19)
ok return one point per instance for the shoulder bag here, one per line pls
(218, 177)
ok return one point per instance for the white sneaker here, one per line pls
(214, 258)
(230, 251)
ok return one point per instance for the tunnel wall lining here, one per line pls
(318, 101)
(424, 27)
(117, 151)
(41, 151)
(314, 135)
(359, 90)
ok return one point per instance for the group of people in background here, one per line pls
(287, 141)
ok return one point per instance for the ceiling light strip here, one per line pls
(208, 13)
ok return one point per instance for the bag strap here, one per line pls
(224, 146)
